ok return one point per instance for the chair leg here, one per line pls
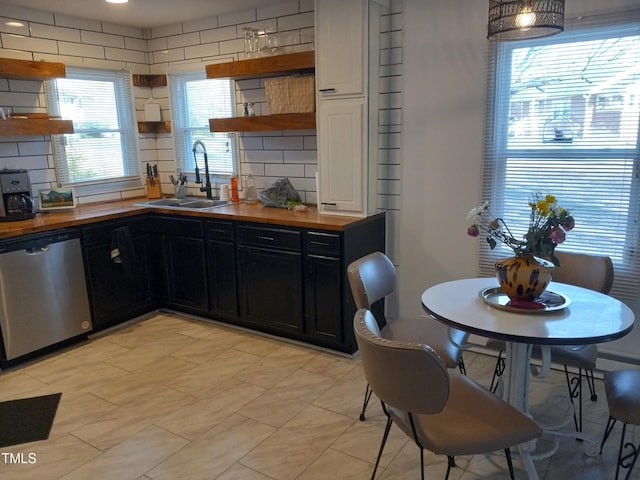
(461, 366)
(627, 461)
(365, 403)
(607, 431)
(497, 372)
(574, 385)
(591, 381)
(451, 462)
(507, 453)
(382, 444)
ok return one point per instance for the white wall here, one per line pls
(445, 69)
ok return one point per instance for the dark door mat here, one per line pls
(28, 419)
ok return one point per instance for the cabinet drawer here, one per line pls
(283, 239)
(217, 230)
(322, 243)
(182, 227)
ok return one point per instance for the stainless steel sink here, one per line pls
(184, 203)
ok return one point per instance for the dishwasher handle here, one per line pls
(37, 250)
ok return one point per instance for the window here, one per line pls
(195, 99)
(563, 119)
(102, 150)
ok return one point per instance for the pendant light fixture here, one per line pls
(523, 19)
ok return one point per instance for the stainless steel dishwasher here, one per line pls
(43, 293)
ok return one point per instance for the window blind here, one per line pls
(103, 145)
(563, 118)
(195, 99)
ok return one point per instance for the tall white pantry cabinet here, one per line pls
(347, 65)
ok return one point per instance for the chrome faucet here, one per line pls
(207, 183)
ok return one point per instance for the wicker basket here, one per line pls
(294, 94)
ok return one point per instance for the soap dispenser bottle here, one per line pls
(234, 188)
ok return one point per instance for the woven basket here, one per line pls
(291, 94)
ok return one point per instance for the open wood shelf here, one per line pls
(29, 70)
(282, 121)
(159, 80)
(154, 127)
(34, 126)
(263, 66)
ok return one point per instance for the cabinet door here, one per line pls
(340, 41)
(271, 288)
(323, 298)
(118, 292)
(341, 155)
(186, 274)
(221, 265)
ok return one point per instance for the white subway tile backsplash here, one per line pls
(294, 22)
(36, 45)
(281, 170)
(124, 30)
(251, 143)
(124, 55)
(300, 156)
(277, 10)
(164, 56)
(25, 86)
(103, 39)
(310, 142)
(201, 51)
(167, 30)
(200, 24)
(232, 46)
(135, 44)
(55, 33)
(77, 22)
(306, 5)
(81, 50)
(21, 13)
(15, 54)
(237, 18)
(157, 44)
(33, 148)
(283, 143)
(264, 156)
(210, 39)
(184, 40)
(8, 149)
(9, 25)
(220, 34)
(19, 99)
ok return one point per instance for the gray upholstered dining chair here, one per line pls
(594, 272)
(445, 413)
(372, 278)
(622, 388)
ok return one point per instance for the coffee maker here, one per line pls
(16, 195)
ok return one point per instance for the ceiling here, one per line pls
(141, 13)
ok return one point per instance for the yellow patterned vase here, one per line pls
(524, 277)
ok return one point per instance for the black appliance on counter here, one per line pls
(16, 195)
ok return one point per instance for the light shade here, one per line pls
(522, 19)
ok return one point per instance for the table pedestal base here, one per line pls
(515, 391)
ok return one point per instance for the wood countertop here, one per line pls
(99, 212)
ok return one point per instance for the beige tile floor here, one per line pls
(170, 398)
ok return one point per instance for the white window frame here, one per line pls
(625, 252)
(127, 128)
(222, 147)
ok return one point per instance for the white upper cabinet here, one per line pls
(340, 37)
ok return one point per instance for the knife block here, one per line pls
(154, 191)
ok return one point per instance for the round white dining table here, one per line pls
(582, 317)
